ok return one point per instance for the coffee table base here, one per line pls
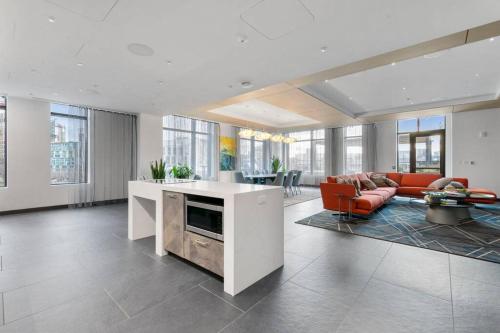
(448, 215)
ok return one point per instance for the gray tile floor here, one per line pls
(75, 271)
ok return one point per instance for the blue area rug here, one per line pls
(401, 221)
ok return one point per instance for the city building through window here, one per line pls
(353, 149)
(68, 144)
(190, 142)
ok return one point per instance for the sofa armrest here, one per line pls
(337, 197)
(464, 181)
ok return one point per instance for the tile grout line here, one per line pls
(266, 296)
(222, 298)
(364, 287)
(451, 294)
(116, 303)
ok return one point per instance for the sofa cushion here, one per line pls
(391, 182)
(440, 183)
(379, 180)
(395, 176)
(368, 202)
(362, 176)
(368, 184)
(414, 191)
(418, 179)
(385, 192)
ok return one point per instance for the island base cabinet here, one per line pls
(173, 227)
(205, 252)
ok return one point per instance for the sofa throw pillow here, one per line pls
(379, 180)
(368, 184)
(391, 182)
(456, 184)
(440, 183)
(356, 186)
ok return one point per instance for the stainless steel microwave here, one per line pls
(205, 216)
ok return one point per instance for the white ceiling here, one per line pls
(202, 41)
(264, 113)
(464, 74)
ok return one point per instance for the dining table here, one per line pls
(261, 178)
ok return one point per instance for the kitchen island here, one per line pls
(253, 226)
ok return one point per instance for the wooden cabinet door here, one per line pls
(204, 251)
(173, 222)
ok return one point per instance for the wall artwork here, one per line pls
(227, 153)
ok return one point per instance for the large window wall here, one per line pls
(253, 155)
(307, 153)
(68, 144)
(190, 142)
(353, 149)
(3, 141)
(421, 144)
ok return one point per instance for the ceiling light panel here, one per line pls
(264, 113)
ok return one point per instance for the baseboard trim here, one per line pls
(45, 208)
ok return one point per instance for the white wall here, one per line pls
(28, 164)
(474, 157)
(149, 142)
(386, 159)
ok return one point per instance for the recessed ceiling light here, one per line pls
(160, 82)
(326, 81)
(169, 62)
(79, 64)
(404, 88)
(492, 39)
(476, 75)
(246, 84)
(323, 49)
(350, 98)
(142, 50)
(242, 39)
(51, 19)
(393, 64)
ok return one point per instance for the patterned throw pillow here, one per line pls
(456, 184)
(368, 184)
(356, 186)
(440, 183)
(379, 180)
(391, 182)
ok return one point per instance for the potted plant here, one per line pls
(181, 171)
(275, 164)
(158, 170)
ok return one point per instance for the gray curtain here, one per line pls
(369, 145)
(334, 151)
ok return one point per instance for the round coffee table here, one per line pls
(448, 214)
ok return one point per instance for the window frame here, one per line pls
(441, 131)
(265, 148)
(193, 132)
(5, 181)
(86, 122)
(312, 151)
(352, 137)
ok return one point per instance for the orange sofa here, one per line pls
(342, 197)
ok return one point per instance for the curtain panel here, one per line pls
(334, 151)
(369, 147)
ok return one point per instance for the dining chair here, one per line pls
(240, 178)
(287, 184)
(197, 177)
(296, 182)
(256, 172)
(278, 180)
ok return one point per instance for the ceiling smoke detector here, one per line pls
(246, 84)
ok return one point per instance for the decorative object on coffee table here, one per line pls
(448, 207)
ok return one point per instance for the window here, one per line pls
(190, 142)
(421, 144)
(68, 144)
(3, 141)
(353, 149)
(252, 153)
(307, 153)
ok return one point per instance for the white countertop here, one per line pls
(209, 188)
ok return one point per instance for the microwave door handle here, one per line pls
(205, 206)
